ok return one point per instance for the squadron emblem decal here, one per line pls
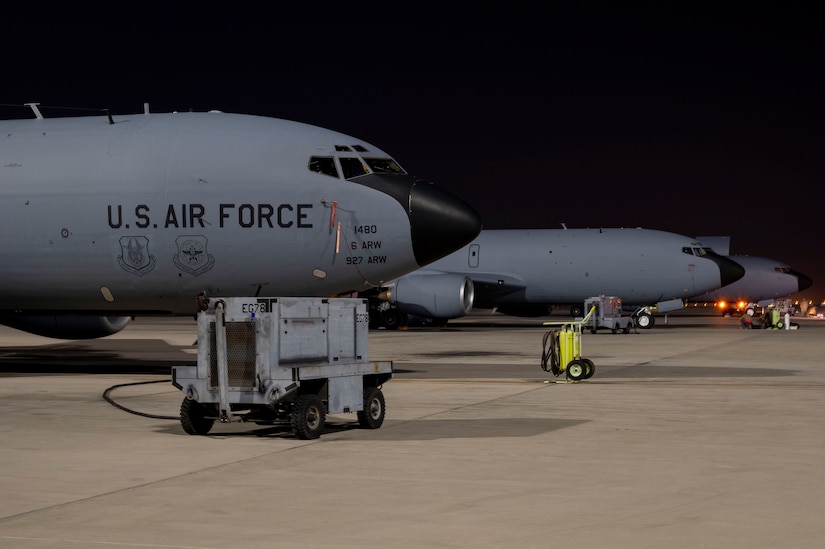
(134, 255)
(192, 256)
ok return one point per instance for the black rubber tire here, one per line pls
(307, 417)
(372, 416)
(590, 368)
(392, 319)
(645, 321)
(193, 417)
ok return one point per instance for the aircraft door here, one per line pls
(691, 267)
(473, 255)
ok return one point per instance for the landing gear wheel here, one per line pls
(307, 418)
(576, 370)
(645, 321)
(372, 416)
(589, 368)
(393, 319)
(193, 417)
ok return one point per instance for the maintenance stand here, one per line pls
(281, 359)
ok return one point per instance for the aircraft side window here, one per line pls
(687, 250)
(785, 270)
(324, 165)
(352, 167)
(384, 165)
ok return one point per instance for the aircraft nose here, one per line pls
(804, 282)
(729, 270)
(440, 222)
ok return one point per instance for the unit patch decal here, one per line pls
(192, 256)
(134, 255)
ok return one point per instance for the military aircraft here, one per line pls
(103, 218)
(527, 272)
(765, 280)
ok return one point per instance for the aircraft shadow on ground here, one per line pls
(117, 357)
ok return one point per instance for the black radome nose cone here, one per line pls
(729, 270)
(804, 282)
(440, 223)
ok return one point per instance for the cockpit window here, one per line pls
(383, 165)
(342, 148)
(699, 252)
(324, 165)
(359, 148)
(785, 270)
(352, 167)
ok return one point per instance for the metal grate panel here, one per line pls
(240, 351)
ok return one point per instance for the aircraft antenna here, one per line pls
(564, 226)
(37, 113)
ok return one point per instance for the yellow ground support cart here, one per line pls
(562, 350)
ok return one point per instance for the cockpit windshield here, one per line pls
(383, 165)
(352, 166)
(697, 251)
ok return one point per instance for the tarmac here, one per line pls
(691, 434)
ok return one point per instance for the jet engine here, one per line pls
(434, 295)
(67, 326)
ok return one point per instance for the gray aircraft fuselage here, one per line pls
(518, 271)
(144, 214)
(765, 280)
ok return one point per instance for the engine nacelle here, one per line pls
(432, 295)
(67, 326)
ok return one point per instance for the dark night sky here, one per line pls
(694, 120)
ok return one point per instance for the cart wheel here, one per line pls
(307, 418)
(576, 370)
(589, 369)
(193, 417)
(372, 416)
(627, 328)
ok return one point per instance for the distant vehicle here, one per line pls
(731, 308)
(817, 311)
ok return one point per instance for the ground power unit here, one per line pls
(282, 359)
